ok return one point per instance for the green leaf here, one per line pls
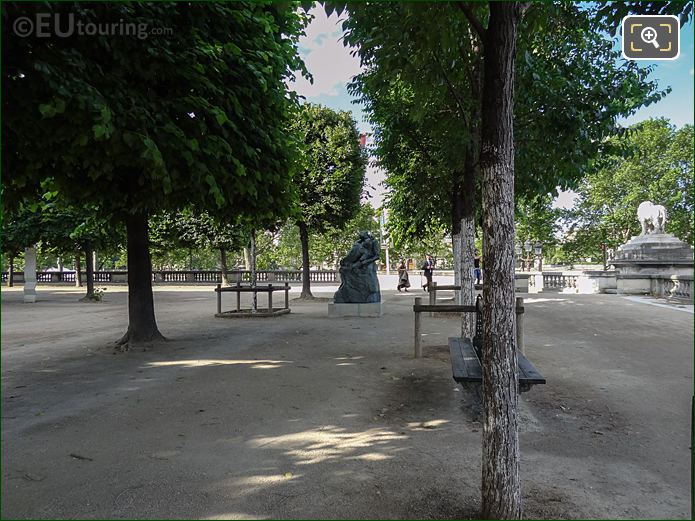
(99, 131)
(47, 110)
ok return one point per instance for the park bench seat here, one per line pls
(466, 366)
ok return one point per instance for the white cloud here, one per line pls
(327, 59)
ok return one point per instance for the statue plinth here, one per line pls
(654, 254)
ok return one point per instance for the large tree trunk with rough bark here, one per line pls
(142, 326)
(223, 267)
(78, 269)
(467, 226)
(304, 239)
(10, 273)
(89, 268)
(468, 204)
(501, 490)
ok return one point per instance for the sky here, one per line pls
(332, 67)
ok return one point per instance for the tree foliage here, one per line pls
(652, 161)
(330, 172)
(570, 84)
(191, 229)
(134, 126)
(197, 116)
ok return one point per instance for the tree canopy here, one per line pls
(197, 116)
(330, 174)
(652, 161)
(570, 84)
(144, 124)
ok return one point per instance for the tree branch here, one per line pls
(472, 19)
(452, 90)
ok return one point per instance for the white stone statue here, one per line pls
(652, 217)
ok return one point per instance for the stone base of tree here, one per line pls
(371, 309)
(246, 313)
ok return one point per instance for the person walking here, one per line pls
(427, 271)
(476, 267)
(403, 279)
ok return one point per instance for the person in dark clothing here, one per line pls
(403, 279)
(427, 271)
(476, 266)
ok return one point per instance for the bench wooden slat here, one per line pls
(249, 289)
(531, 375)
(466, 366)
(443, 308)
(464, 362)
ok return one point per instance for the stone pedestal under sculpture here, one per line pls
(652, 254)
(359, 294)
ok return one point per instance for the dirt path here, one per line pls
(303, 416)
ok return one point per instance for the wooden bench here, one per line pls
(466, 353)
(270, 311)
(467, 368)
(467, 358)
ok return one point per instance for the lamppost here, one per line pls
(517, 252)
(538, 250)
(527, 260)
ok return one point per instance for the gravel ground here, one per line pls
(302, 416)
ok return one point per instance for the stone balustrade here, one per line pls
(182, 277)
(678, 287)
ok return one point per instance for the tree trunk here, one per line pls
(456, 247)
(252, 251)
(501, 490)
(468, 195)
(142, 326)
(306, 283)
(10, 274)
(466, 269)
(89, 258)
(78, 269)
(456, 235)
(223, 267)
(247, 259)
